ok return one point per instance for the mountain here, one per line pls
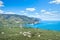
(15, 20)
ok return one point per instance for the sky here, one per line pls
(43, 9)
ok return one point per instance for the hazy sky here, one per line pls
(43, 9)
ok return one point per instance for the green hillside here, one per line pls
(12, 28)
(17, 33)
(15, 20)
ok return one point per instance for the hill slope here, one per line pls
(15, 20)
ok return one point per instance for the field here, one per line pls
(17, 33)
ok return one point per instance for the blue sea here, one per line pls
(47, 25)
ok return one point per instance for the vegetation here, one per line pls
(13, 20)
(18, 18)
(17, 33)
(12, 28)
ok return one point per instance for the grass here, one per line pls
(14, 34)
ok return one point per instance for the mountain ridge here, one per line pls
(13, 19)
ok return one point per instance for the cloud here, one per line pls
(55, 2)
(22, 11)
(44, 15)
(4, 12)
(43, 10)
(47, 12)
(9, 13)
(1, 4)
(30, 9)
(49, 15)
(1, 11)
(24, 14)
(37, 13)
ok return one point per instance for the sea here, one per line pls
(46, 25)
